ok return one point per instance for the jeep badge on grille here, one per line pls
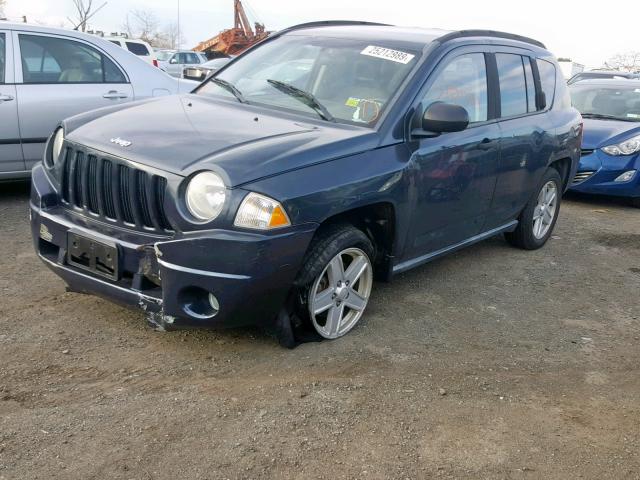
(119, 141)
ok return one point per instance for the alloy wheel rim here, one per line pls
(340, 294)
(545, 211)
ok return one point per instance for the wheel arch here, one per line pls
(378, 221)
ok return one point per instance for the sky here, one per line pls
(587, 32)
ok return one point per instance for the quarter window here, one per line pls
(2, 57)
(462, 82)
(531, 85)
(547, 80)
(57, 60)
(513, 87)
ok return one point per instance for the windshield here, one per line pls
(216, 63)
(164, 55)
(343, 80)
(608, 101)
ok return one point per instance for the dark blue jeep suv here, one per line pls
(328, 155)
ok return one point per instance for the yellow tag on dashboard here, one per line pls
(352, 102)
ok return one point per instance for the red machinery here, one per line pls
(234, 40)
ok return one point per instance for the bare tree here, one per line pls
(626, 62)
(83, 12)
(2, 4)
(172, 36)
(142, 24)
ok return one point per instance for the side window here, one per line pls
(182, 58)
(531, 85)
(137, 49)
(57, 60)
(462, 82)
(513, 87)
(117, 42)
(547, 80)
(2, 57)
(193, 58)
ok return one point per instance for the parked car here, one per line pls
(200, 72)
(254, 200)
(48, 74)
(174, 62)
(136, 46)
(611, 147)
(602, 75)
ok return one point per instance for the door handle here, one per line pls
(486, 144)
(114, 95)
(6, 98)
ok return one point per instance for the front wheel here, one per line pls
(336, 280)
(538, 219)
(635, 202)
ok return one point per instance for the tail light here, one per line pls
(155, 62)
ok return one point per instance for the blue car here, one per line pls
(610, 163)
(327, 156)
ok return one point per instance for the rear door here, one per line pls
(57, 77)
(527, 135)
(10, 149)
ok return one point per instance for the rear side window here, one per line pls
(513, 86)
(2, 57)
(138, 49)
(55, 60)
(547, 80)
(462, 82)
(192, 58)
(117, 42)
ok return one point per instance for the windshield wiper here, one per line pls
(229, 88)
(602, 116)
(304, 97)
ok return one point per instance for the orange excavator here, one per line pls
(236, 40)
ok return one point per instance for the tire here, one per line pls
(529, 235)
(340, 291)
(635, 202)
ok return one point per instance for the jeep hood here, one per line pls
(185, 134)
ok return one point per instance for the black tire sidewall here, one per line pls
(526, 219)
(325, 246)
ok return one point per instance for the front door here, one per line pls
(10, 151)
(58, 77)
(455, 173)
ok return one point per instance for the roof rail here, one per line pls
(489, 33)
(331, 23)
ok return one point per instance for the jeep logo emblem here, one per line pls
(119, 141)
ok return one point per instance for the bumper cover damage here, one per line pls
(171, 278)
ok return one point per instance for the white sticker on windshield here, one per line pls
(388, 54)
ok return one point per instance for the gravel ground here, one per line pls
(490, 363)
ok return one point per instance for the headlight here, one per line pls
(628, 147)
(56, 148)
(205, 196)
(261, 213)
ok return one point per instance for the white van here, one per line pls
(136, 46)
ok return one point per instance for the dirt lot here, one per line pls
(491, 363)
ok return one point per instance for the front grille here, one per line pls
(586, 151)
(114, 191)
(581, 177)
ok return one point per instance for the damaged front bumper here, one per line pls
(176, 280)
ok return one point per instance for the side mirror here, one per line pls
(173, 61)
(440, 117)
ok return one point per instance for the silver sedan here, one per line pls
(48, 74)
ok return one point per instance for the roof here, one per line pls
(619, 82)
(382, 32)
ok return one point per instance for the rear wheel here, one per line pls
(336, 280)
(538, 219)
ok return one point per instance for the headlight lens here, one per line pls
(261, 213)
(628, 147)
(205, 196)
(56, 149)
